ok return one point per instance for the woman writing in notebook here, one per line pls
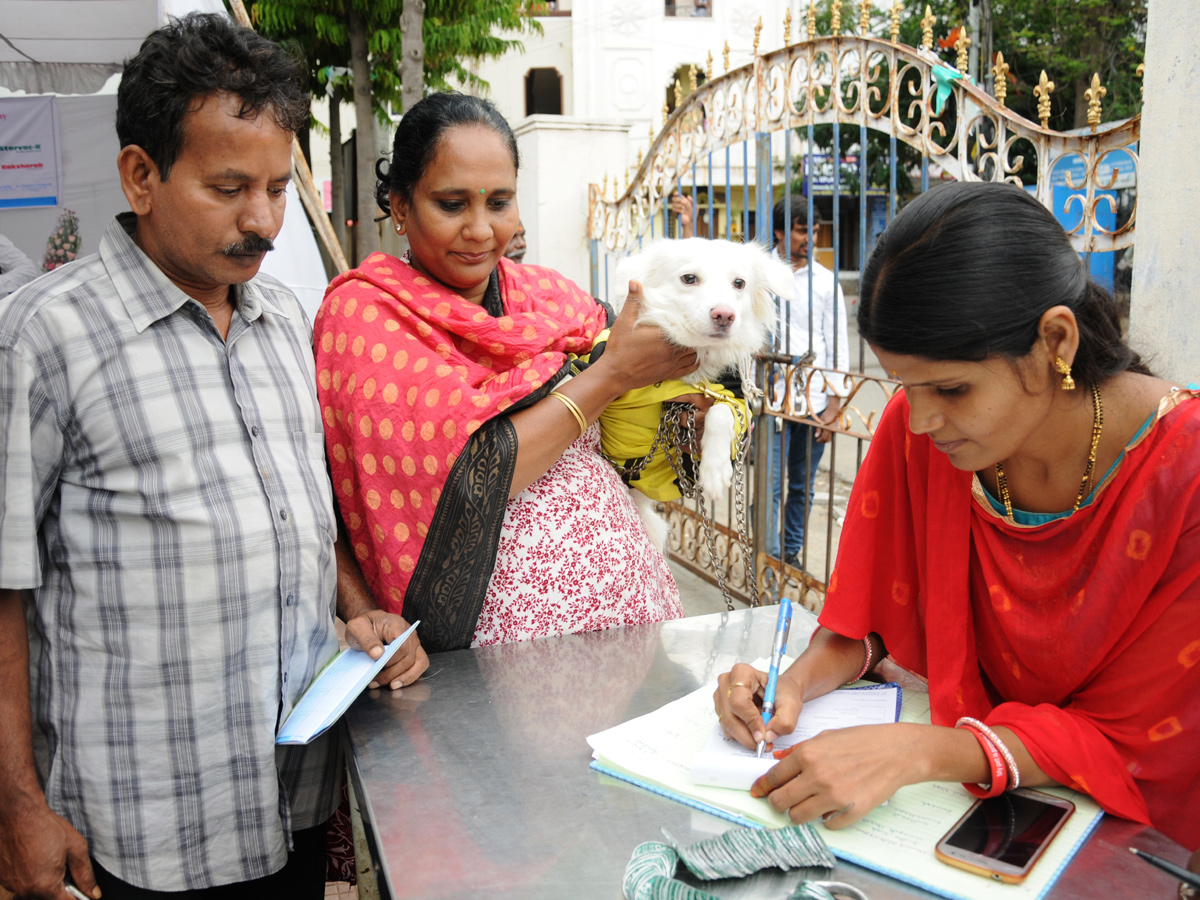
(1024, 534)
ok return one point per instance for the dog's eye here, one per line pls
(689, 278)
(739, 283)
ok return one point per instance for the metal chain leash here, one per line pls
(679, 426)
(677, 432)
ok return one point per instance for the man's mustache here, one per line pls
(249, 246)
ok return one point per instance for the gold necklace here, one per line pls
(1085, 482)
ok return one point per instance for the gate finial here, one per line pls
(1094, 95)
(787, 27)
(927, 21)
(1043, 90)
(757, 34)
(1000, 71)
(692, 78)
(708, 68)
(864, 17)
(961, 46)
(725, 56)
(895, 16)
(835, 22)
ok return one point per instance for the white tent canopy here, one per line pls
(70, 46)
(73, 47)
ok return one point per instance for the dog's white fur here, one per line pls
(715, 298)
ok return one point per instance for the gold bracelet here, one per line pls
(574, 410)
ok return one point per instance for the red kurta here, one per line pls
(1081, 635)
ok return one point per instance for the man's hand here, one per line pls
(370, 630)
(38, 852)
(685, 207)
(828, 416)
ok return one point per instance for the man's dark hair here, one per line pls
(966, 271)
(421, 130)
(799, 213)
(192, 58)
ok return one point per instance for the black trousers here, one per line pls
(302, 878)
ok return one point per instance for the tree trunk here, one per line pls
(1092, 55)
(366, 231)
(337, 169)
(412, 53)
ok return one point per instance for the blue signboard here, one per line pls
(822, 176)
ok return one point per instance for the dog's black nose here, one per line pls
(722, 316)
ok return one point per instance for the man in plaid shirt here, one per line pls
(168, 566)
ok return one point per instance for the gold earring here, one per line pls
(1063, 369)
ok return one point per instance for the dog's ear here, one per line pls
(631, 268)
(773, 277)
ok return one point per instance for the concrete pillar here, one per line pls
(1164, 325)
(560, 157)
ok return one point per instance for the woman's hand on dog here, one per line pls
(702, 404)
(639, 355)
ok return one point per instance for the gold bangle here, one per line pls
(574, 409)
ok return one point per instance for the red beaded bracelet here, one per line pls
(995, 760)
(867, 664)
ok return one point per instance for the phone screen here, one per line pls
(1008, 828)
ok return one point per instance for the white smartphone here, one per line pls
(1002, 837)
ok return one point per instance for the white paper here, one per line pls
(332, 692)
(725, 763)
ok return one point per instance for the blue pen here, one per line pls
(778, 649)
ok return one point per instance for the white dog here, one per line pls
(715, 298)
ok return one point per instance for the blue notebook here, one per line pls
(333, 690)
(678, 798)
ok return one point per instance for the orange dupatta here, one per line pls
(407, 372)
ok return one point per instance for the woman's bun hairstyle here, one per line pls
(419, 132)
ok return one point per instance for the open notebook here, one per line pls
(725, 763)
(656, 751)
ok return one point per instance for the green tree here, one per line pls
(1069, 39)
(367, 47)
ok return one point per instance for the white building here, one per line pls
(587, 95)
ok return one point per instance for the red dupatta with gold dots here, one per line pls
(407, 372)
(1081, 635)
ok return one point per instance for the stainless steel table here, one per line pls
(475, 782)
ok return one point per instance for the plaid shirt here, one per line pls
(164, 495)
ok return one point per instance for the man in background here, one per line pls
(516, 244)
(824, 306)
(168, 567)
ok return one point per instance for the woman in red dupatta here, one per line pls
(465, 465)
(1055, 617)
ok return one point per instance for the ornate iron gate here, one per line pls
(908, 96)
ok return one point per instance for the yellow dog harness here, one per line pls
(630, 423)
